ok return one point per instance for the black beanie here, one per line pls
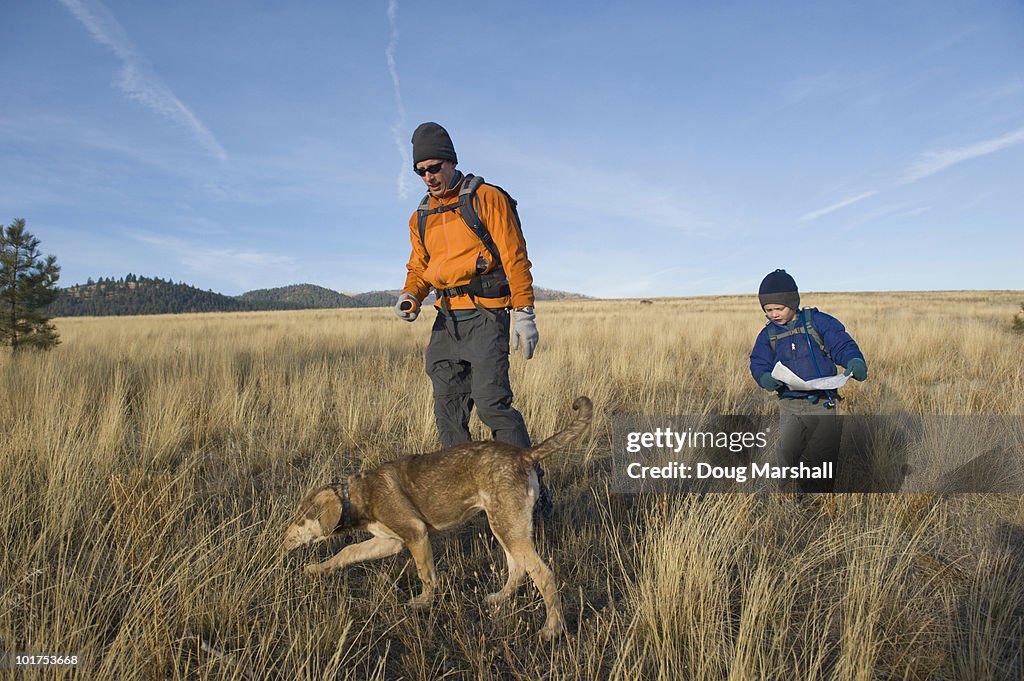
(778, 288)
(430, 141)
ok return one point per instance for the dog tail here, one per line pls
(560, 439)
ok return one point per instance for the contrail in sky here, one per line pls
(930, 163)
(814, 215)
(137, 79)
(937, 161)
(398, 129)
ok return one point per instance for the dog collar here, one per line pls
(346, 507)
(345, 522)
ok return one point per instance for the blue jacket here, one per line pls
(801, 353)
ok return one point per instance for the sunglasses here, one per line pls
(433, 170)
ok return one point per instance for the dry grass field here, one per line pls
(150, 464)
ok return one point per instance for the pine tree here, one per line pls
(28, 283)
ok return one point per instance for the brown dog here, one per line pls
(401, 501)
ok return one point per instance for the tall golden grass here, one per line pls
(150, 465)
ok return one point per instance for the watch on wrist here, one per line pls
(528, 309)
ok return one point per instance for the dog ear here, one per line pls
(328, 508)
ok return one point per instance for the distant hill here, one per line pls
(302, 296)
(136, 295)
(139, 295)
(550, 294)
(377, 298)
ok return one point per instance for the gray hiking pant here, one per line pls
(467, 362)
(810, 434)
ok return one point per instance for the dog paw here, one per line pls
(495, 599)
(551, 630)
(313, 569)
(419, 602)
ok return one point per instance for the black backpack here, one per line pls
(493, 284)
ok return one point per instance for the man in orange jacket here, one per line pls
(482, 290)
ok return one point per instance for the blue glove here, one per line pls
(769, 382)
(857, 368)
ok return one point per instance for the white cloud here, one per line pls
(136, 79)
(936, 161)
(815, 214)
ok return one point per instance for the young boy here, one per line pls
(809, 343)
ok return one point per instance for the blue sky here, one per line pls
(655, 149)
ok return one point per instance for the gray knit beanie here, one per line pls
(430, 141)
(779, 288)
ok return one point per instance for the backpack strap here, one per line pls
(806, 315)
(492, 284)
(813, 332)
(467, 209)
(423, 211)
(807, 327)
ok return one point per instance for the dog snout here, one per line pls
(295, 537)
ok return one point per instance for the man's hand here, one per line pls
(407, 307)
(769, 382)
(857, 368)
(525, 330)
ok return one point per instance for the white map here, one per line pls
(783, 373)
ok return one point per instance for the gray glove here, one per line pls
(407, 307)
(525, 330)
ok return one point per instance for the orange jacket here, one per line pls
(454, 250)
